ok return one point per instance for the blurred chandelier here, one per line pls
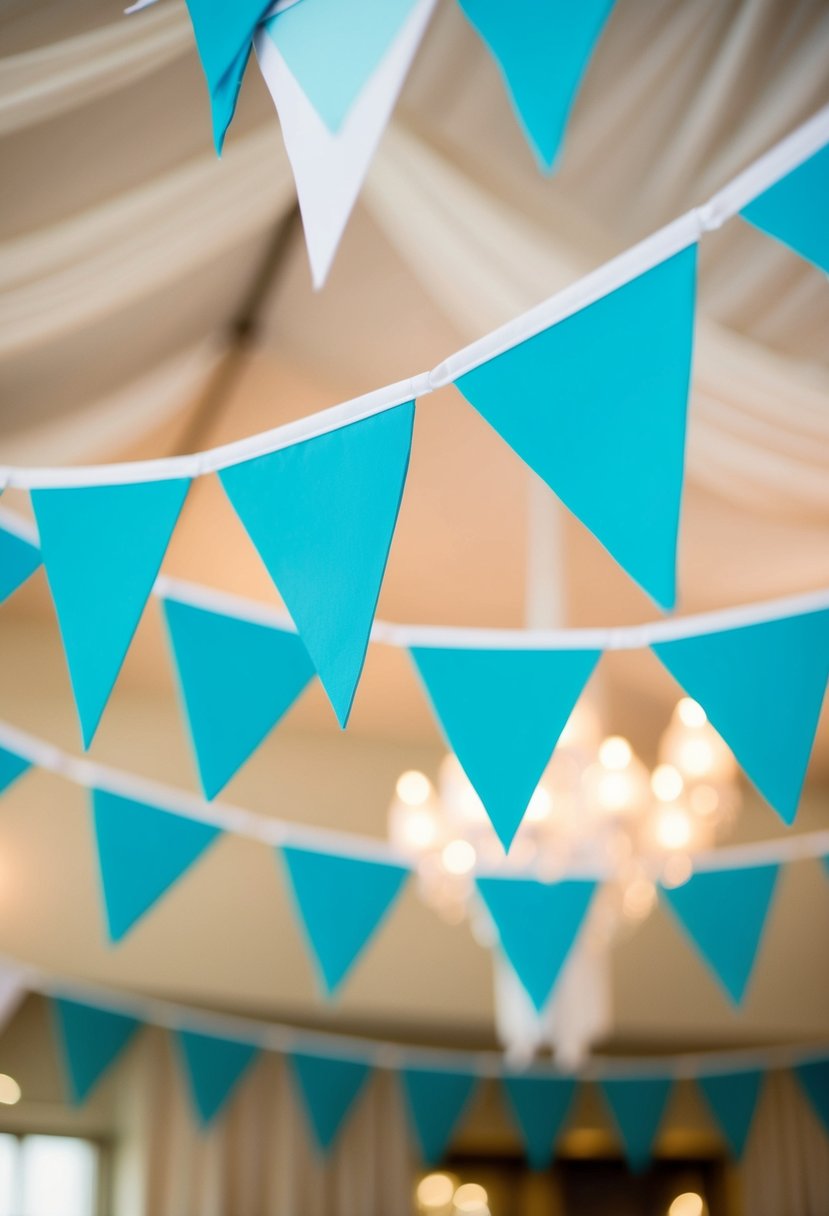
(597, 809)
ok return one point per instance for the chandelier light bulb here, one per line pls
(666, 782)
(413, 788)
(458, 857)
(696, 756)
(691, 713)
(615, 753)
(674, 828)
(419, 828)
(471, 1197)
(435, 1191)
(540, 806)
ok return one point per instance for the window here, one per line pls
(48, 1176)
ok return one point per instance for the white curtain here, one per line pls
(258, 1159)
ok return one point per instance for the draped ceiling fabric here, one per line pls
(127, 249)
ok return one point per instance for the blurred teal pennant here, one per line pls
(762, 687)
(814, 1079)
(19, 559)
(540, 1106)
(142, 851)
(537, 924)
(637, 1105)
(322, 515)
(596, 404)
(90, 1040)
(341, 903)
(732, 1098)
(332, 48)
(543, 49)
(793, 210)
(213, 1067)
(237, 679)
(224, 32)
(501, 713)
(12, 766)
(724, 913)
(102, 547)
(329, 1088)
(436, 1101)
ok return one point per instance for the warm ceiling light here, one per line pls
(696, 756)
(666, 782)
(10, 1092)
(435, 1191)
(540, 805)
(470, 1197)
(689, 1203)
(615, 752)
(673, 828)
(413, 788)
(420, 828)
(614, 791)
(691, 713)
(458, 857)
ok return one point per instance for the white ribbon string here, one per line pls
(276, 832)
(274, 1036)
(726, 203)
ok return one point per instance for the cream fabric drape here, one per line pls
(258, 1159)
(785, 1171)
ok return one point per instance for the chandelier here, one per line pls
(598, 810)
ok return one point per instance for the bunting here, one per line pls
(543, 51)
(794, 210)
(19, 559)
(814, 1080)
(321, 515)
(762, 687)
(537, 925)
(237, 679)
(724, 913)
(540, 1106)
(637, 1105)
(732, 1098)
(501, 713)
(91, 1040)
(12, 766)
(607, 434)
(213, 1067)
(436, 1101)
(102, 547)
(334, 73)
(329, 1088)
(224, 36)
(142, 851)
(341, 902)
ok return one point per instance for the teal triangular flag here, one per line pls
(762, 687)
(537, 924)
(333, 48)
(540, 1106)
(214, 1067)
(102, 547)
(321, 515)
(814, 1078)
(341, 902)
(19, 559)
(596, 406)
(543, 51)
(12, 766)
(436, 1100)
(724, 913)
(91, 1040)
(329, 1089)
(142, 851)
(237, 679)
(733, 1100)
(637, 1106)
(501, 713)
(224, 36)
(794, 210)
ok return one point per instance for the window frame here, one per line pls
(103, 1157)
